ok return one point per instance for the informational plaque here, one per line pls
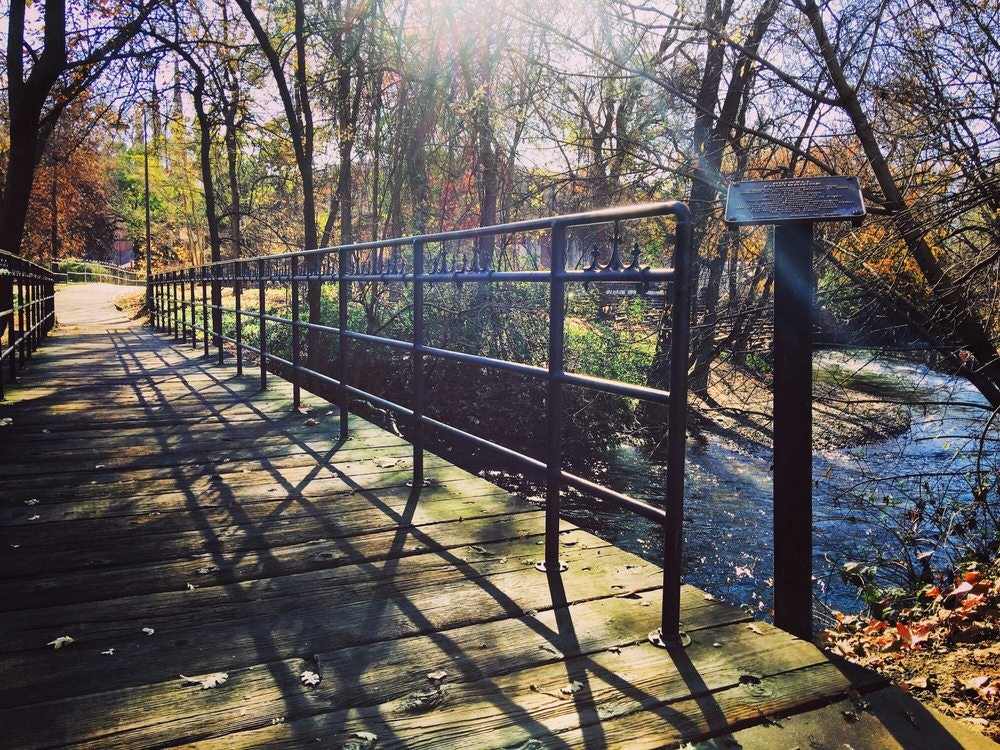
(759, 202)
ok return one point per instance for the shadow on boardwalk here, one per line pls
(173, 520)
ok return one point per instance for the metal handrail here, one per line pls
(27, 312)
(175, 296)
(110, 275)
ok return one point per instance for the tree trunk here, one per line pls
(26, 98)
(955, 307)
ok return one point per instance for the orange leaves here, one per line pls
(967, 613)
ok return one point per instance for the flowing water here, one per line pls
(727, 529)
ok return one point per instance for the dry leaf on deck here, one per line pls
(309, 678)
(208, 681)
(63, 640)
(574, 687)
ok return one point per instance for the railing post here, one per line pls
(158, 303)
(32, 316)
(204, 309)
(793, 291)
(21, 320)
(417, 436)
(670, 634)
(553, 401)
(184, 312)
(48, 284)
(217, 310)
(261, 311)
(296, 387)
(175, 278)
(194, 308)
(343, 293)
(8, 323)
(238, 297)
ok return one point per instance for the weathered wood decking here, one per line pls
(173, 521)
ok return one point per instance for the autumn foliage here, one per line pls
(942, 650)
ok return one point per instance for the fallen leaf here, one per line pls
(961, 590)
(109, 652)
(100, 466)
(310, 422)
(574, 687)
(754, 628)
(32, 501)
(34, 517)
(366, 736)
(629, 595)
(63, 640)
(148, 631)
(208, 681)
(975, 683)
(309, 678)
(742, 572)
(918, 682)
(191, 587)
(6, 422)
(437, 675)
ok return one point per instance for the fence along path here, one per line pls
(173, 520)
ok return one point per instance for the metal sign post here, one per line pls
(792, 207)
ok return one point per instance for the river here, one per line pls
(728, 504)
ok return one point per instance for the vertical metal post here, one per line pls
(33, 316)
(22, 344)
(793, 293)
(296, 388)
(557, 345)
(417, 436)
(261, 311)
(184, 313)
(194, 308)
(343, 293)
(238, 297)
(217, 310)
(673, 526)
(204, 308)
(176, 278)
(9, 324)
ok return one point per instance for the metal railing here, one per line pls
(108, 274)
(181, 296)
(27, 312)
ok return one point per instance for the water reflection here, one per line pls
(728, 512)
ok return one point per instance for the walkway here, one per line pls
(232, 576)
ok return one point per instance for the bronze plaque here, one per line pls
(803, 199)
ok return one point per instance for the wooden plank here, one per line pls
(92, 579)
(887, 719)
(253, 543)
(649, 687)
(377, 673)
(254, 622)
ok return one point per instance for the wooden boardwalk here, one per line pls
(172, 520)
